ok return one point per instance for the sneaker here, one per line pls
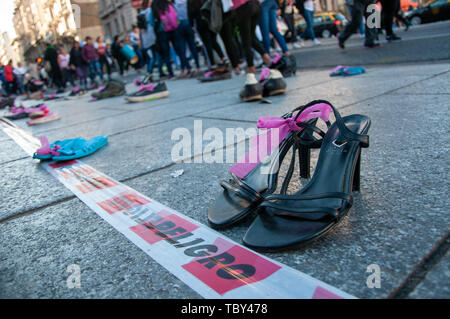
(112, 89)
(76, 93)
(297, 45)
(393, 37)
(9, 101)
(148, 78)
(92, 86)
(272, 82)
(341, 43)
(316, 42)
(149, 92)
(286, 64)
(252, 90)
(372, 45)
(216, 75)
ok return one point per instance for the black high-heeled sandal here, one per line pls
(289, 220)
(241, 196)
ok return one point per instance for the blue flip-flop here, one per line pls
(69, 149)
(343, 70)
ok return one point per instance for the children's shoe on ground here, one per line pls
(286, 64)
(112, 89)
(77, 92)
(149, 92)
(9, 101)
(216, 75)
(69, 149)
(252, 90)
(49, 117)
(272, 82)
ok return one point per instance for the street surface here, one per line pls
(399, 221)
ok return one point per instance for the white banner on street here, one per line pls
(208, 262)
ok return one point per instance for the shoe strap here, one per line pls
(304, 212)
(242, 190)
(346, 133)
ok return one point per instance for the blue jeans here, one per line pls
(268, 23)
(140, 56)
(94, 68)
(187, 35)
(163, 39)
(309, 30)
(179, 47)
(152, 59)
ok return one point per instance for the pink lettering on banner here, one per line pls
(322, 293)
(231, 268)
(163, 225)
(63, 163)
(123, 201)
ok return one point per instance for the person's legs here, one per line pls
(228, 39)
(309, 30)
(251, 10)
(57, 78)
(189, 37)
(264, 25)
(273, 25)
(165, 51)
(98, 67)
(148, 59)
(370, 32)
(289, 19)
(356, 18)
(388, 8)
(205, 35)
(92, 72)
(179, 46)
(215, 45)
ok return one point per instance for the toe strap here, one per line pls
(242, 190)
(305, 212)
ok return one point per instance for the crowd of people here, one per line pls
(169, 32)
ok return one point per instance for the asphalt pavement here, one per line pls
(399, 220)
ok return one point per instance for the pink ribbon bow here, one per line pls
(45, 147)
(148, 87)
(262, 145)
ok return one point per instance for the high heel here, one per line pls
(252, 181)
(289, 220)
(357, 175)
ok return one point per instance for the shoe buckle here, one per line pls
(339, 145)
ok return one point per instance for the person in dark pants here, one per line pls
(287, 12)
(81, 66)
(51, 55)
(160, 7)
(388, 12)
(102, 58)
(358, 9)
(121, 61)
(246, 16)
(209, 38)
(398, 15)
(186, 31)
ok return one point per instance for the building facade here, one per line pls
(9, 50)
(87, 18)
(117, 17)
(38, 22)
